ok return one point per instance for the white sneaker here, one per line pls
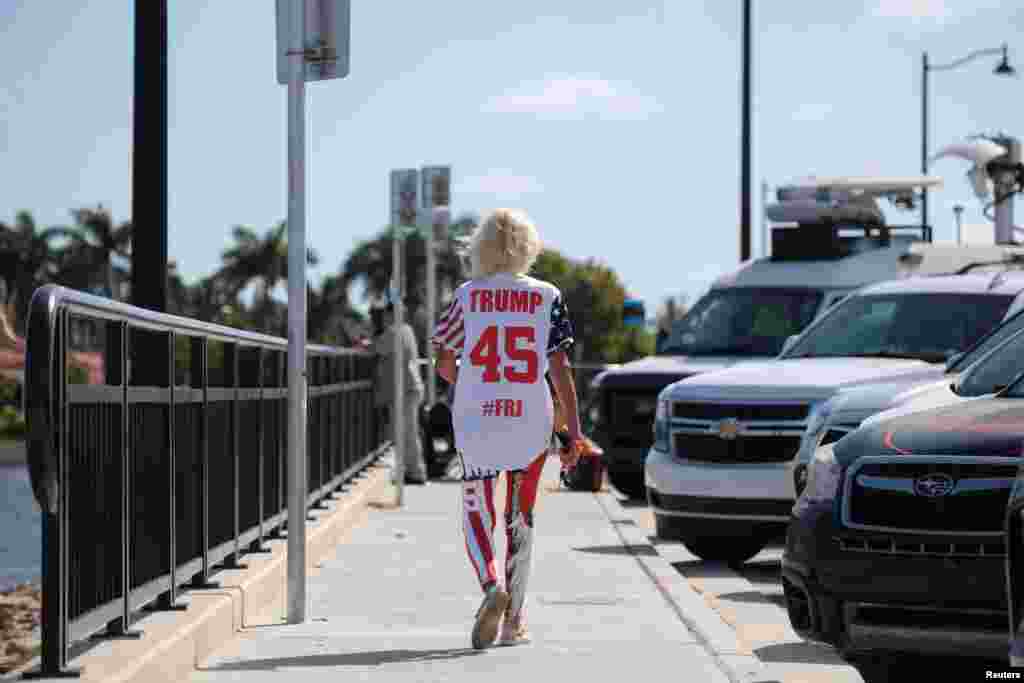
(514, 634)
(488, 618)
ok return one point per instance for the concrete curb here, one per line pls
(174, 643)
(734, 659)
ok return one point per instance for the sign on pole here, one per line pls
(312, 44)
(403, 218)
(403, 198)
(436, 191)
(325, 42)
(633, 314)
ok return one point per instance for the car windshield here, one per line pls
(928, 326)
(743, 321)
(991, 340)
(995, 371)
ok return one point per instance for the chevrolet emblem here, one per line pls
(728, 429)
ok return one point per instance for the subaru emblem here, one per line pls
(933, 485)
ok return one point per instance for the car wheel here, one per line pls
(629, 484)
(728, 550)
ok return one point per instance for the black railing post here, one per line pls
(257, 368)
(282, 440)
(115, 363)
(231, 366)
(169, 599)
(54, 613)
(200, 364)
(323, 444)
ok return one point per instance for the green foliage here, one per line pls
(83, 257)
(12, 423)
(8, 391)
(594, 296)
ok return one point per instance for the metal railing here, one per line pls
(176, 463)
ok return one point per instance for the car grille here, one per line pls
(889, 545)
(631, 417)
(740, 411)
(752, 449)
(880, 494)
(737, 433)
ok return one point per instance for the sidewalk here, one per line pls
(397, 599)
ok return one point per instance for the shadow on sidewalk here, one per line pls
(796, 653)
(645, 550)
(755, 597)
(345, 659)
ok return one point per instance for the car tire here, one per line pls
(724, 549)
(629, 484)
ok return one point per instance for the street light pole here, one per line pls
(149, 157)
(745, 213)
(924, 139)
(1002, 69)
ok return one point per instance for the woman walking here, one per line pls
(508, 329)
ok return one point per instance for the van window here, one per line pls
(743, 321)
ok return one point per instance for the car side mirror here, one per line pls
(788, 344)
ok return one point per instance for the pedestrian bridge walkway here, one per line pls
(394, 601)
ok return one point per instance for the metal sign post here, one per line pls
(312, 45)
(403, 218)
(435, 218)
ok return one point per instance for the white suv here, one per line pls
(719, 477)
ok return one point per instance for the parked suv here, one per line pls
(719, 476)
(896, 543)
(848, 408)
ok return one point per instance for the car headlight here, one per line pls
(661, 431)
(816, 420)
(594, 414)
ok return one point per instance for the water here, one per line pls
(20, 528)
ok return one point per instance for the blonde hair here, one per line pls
(505, 242)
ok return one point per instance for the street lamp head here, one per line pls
(1004, 68)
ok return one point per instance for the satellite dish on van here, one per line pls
(980, 153)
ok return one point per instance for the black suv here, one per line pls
(896, 542)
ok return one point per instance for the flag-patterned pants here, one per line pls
(478, 523)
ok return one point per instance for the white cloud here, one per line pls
(811, 113)
(574, 97)
(915, 10)
(501, 184)
(934, 13)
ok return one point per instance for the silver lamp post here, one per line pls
(1002, 69)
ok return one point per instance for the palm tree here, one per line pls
(331, 320)
(99, 241)
(369, 265)
(27, 259)
(264, 260)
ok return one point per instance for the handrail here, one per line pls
(52, 297)
(148, 482)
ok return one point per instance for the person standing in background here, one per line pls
(391, 337)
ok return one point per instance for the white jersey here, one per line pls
(503, 415)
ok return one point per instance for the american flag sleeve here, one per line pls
(450, 333)
(562, 335)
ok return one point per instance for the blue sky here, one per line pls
(615, 125)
